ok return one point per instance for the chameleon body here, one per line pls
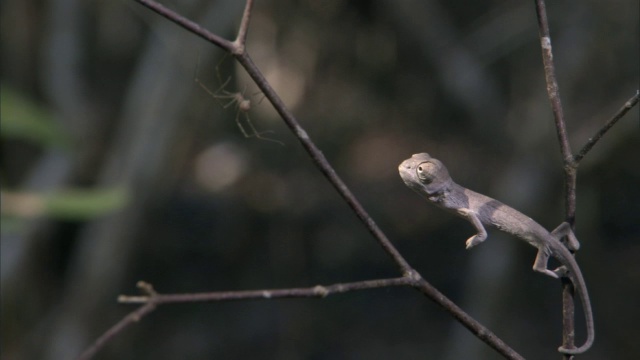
(430, 178)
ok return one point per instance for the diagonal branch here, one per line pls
(187, 24)
(322, 163)
(314, 152)
(614, 119)
(131, 318)
(476, 328)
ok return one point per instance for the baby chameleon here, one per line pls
(429, 177)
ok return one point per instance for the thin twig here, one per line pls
(614, 119)
(241, 39)
(556, 106)
(568, 305)
(318, 291)
(151, 299)
(131, 318)
(189, 25)
(321, 161)
(476, 328)
(552, 83)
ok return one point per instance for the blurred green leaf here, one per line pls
(13, 225)
(24, 119)
(72, 204)
(82, 204)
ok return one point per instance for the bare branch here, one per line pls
(552, 83)
(479, 330)
(318, 291)
(244, 26)
(321, 161)
(568, 316)
(151, 299)
(188, 24)
(568, 313)
(131, 318)
(614, 119)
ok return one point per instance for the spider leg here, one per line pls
(253, 131)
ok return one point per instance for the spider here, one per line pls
(242, 104)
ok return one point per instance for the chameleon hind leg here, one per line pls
(542, 259)
(563, 231)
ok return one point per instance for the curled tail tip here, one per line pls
(570, 351)
(567, 351)
(575, 351)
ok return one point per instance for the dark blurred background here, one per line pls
(116, 166)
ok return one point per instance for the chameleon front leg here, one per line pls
(473, 219)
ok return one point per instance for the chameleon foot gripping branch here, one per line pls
(429, 177)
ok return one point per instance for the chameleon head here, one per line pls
(424, 174)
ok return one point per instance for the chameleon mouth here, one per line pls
(407, 171)
(405, 168)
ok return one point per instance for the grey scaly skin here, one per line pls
(429, 177)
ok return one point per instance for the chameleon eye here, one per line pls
(426, 172)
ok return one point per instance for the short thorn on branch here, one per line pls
(146, 288)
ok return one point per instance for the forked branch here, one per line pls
(151, 299)
(570, 162)
(409, 276)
